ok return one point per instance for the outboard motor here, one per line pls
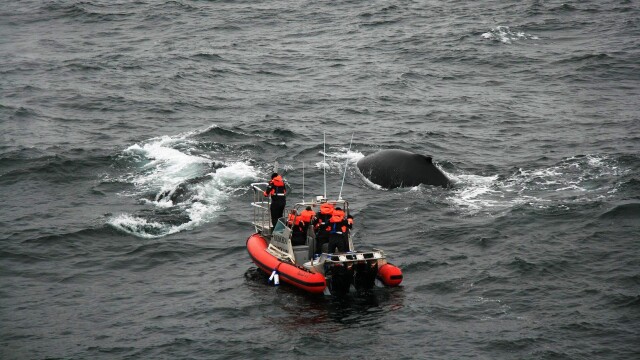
(364, 276)
(340, 279)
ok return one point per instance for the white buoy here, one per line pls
(273, 274)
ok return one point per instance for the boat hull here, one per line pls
(301, 278)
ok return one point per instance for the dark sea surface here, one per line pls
(530, 107)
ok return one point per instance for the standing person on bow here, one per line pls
(277, 191)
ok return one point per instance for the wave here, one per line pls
(65, 236)
(625, 211)
(207, 55)
(585, 58)
(624, 301)
(22, 112)
(12, 256)
(24, 163)
(184, 185)
(86, 11)
(217, 133)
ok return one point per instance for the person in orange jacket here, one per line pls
(306, 217)
(300, 225)
(321, 224)
(277, 191)
(339, 226)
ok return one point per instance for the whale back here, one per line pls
(399, 168)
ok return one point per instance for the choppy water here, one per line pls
(110, 107)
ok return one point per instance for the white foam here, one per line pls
(336, 159)
(351, 156)
(169, 164)
(505, 35)
(323, 165)
(138, 226)
(475, 192)
(570, 180)
(207, 201)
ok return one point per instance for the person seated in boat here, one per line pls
(321, 224)
(339, 226)
(277, 191)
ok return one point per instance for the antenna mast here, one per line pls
(303, 182)
(346, 162)
(324, 162)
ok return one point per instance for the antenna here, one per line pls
(303, 182)
(324, 162)
(346, 162)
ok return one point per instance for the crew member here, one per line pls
(339, 226)
(300, 224)
(293, 221)
(306, 218)
(321, 224)
(277, 191)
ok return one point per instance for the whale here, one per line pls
(183, 191)
(394, 168)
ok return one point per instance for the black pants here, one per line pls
(321, 238)
(337, 241)
(277, 208)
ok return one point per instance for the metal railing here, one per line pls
(261, 209)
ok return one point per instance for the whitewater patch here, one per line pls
(336, 159)
(573, 180)
(165, 165)
(476, 193)
(172, 175)
(205, 203)
(505, 35)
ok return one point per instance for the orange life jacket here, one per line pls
(337, 216)
(277, 181)
(306, 216)
(337, 223)
(293, 219)
(326, 210)
(276, 187)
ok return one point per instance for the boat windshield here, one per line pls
(279, 229)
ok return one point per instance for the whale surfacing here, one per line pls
(399, 168)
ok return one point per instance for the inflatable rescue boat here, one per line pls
(273, 252)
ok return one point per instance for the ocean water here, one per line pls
(131, 130)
